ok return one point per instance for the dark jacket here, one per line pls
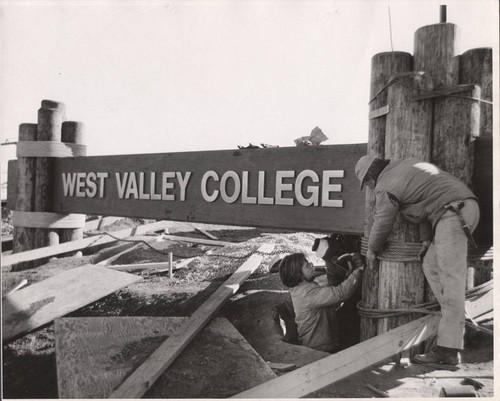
(419, 191)
(315, 306)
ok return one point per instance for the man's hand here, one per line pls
(371, 256)
(423, 249)
(358, 261)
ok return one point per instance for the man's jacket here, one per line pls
(314, 308)
(419, 191)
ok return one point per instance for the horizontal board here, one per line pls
(95, 354)
(42, 302)
(305, 188)
(88, 242)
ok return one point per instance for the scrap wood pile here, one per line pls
(126, 372)
(52, 297)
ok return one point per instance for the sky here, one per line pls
(174, 76)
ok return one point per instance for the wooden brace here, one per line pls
(47, 220)
(50, 149)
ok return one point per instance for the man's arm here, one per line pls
(319, 297)
(386, 211)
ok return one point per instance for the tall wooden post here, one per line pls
(71, 132)
(383, 66)
(435, 52)
(409, 131)
(49, 129)
(476, 67)
(24, 237)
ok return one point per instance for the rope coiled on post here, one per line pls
(408, 252)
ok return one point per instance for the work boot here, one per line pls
(441, 355)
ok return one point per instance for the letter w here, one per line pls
(69, 181)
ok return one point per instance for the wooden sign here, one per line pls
(305, 188)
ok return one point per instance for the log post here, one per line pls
(71, 132)
(435, 48)
(456, 126)
(24, 237)
(476, 67)
(48, 129)
(409, 132)
(383, 66)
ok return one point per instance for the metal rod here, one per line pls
(442, 14)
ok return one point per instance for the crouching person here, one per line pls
(315, 305)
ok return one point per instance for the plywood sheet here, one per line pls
(54, 297)
(95, 355)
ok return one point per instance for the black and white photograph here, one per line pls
(259, 199)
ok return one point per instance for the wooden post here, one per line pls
(409, 130)
(435, 51)
(456, 126)
(49, 129)
(71, 132)
(476, 68)
(24, 237)
(384, 65)
(170, 265)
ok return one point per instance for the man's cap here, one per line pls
(362, 167)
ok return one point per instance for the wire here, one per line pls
(390, 27)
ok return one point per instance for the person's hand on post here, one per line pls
(357, 261)
(423, 249)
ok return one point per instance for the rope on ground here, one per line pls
(429, 308)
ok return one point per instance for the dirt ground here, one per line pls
(29, 362)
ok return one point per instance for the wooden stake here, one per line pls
(170, 265)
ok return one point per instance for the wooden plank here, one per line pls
(207, 234)
(450, 90)
(42, 302)
(303, 188)
(97, 224)
(95, 354)
(142, 379)
(333, 368)
(109, 260)
(378, 112)
(483, 303)
(47, 251)
(200, 241)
